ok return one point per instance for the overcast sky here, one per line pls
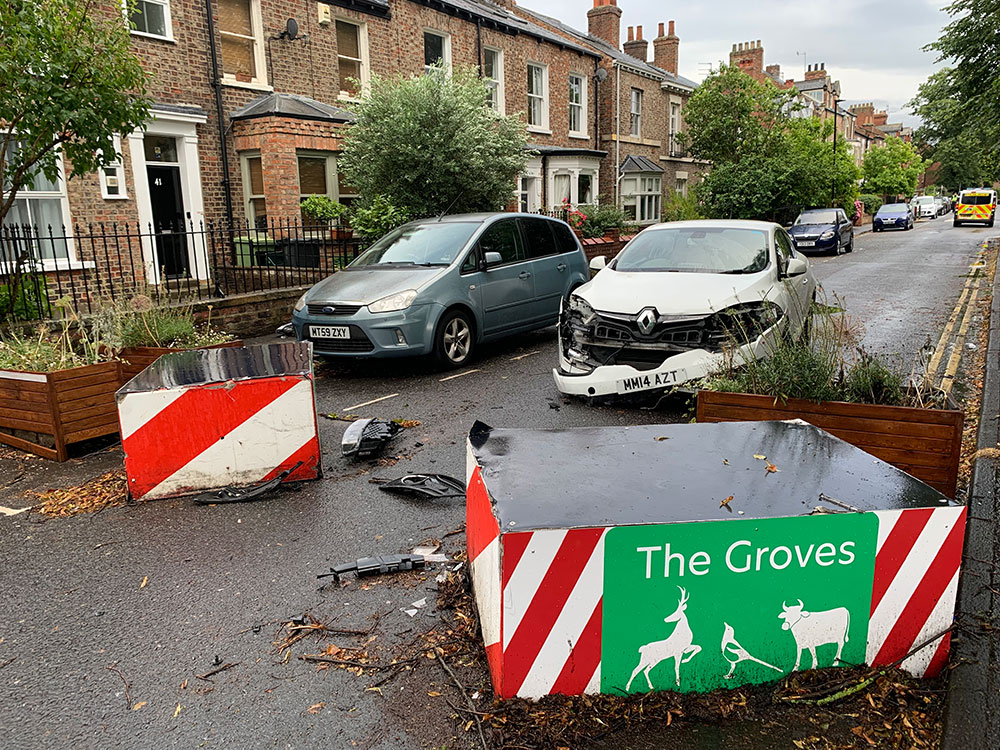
(872, 48)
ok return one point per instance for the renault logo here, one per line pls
(647, 319)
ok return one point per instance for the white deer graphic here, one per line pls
(678, 646)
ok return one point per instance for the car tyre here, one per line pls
(956, 223)
(455, 340)
(837, 248)
(850, 245)
(990, 223)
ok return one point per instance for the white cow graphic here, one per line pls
(676, 646)
(734, 653)
(812, 629)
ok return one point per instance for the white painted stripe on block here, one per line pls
(486, 587)
(567, 628)
(594, 686)
(527, 577)
(908, 578)
(886, 521)
(940, 619)
(470, 462)
(135, 410)
(252, 450)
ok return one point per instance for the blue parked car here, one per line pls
(892, 216)
(823, 230)
(442, 286)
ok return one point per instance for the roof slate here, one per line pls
(291, 105)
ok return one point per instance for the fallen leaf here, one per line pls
(772, 469)
(145, 580)
(725, 503)
(139, 705)
(373, 689)
(662, 438)
(759, 457)
(434, 694)
(315, 708)
(725, 461)
(184, 685)
(177, 710)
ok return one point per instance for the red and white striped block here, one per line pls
(917, 561)
(190, 439)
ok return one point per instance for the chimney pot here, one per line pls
(638, 32)
(758, 44)
(631, 34)
(660, 30)
(670, 28)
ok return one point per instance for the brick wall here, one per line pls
(247, 315)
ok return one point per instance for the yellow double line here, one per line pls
(969, 294)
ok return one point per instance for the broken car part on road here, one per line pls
(366, 437)
(426, 485)
(243, 494)
(374, 566)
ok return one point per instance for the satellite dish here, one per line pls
(601, 75)
(291, 29)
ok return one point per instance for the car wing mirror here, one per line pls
(796, 267)
(491, 259)
(598, 263)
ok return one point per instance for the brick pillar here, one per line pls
(665, 49)
(604, 21)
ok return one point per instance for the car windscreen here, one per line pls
(894, 208)
(817, 217)
(924, 199)
(982, 199)
(435, 244)
(696, 250)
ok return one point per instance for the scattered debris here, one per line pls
(315, 708)
(245, 493)
(415, 607)
(725, 503)
(426, 485)
(342, 417)
(771, 469)
(372, 566)
(215, 671)
(107, 491)
(760, 457)
(128, 695)
(662, 438)
(725, 462)
(367, 437)
(145, 580)
(285, 330)
(407, 424)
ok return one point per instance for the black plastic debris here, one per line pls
(366, 437)
(285, 330)
(374, 566)
(426, 485)
(243, 494)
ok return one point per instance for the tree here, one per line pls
(429, 144)
(892, 169)
(69, 83)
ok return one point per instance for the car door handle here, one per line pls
(523, 275)
(561, 267)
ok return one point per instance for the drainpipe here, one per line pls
(545, 181)
(217, 85)
(479, 45)
(618, 134)
(597, 105)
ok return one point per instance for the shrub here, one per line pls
(378, 218)
(322, 208)
(30, 300)
(138, 322)
(679, 207)
(870, 381)
(872, 203)
(600, 217)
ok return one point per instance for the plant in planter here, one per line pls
(323, 210)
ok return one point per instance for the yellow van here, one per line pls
(978, 204)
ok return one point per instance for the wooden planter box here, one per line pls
(925, 443)
(135, 359)
(68, 405)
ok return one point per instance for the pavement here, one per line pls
(107, 619)
(972, 721)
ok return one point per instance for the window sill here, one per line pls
(48, 266)
(254, 86)
(539, 130)
(347, 98)
(580, 136)
(115, 197)
(157, 37)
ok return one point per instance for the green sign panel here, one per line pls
(698, 606)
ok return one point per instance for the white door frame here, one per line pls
(183, 127)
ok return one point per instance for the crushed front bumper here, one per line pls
(609, 380)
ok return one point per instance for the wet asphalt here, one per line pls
(151, 595)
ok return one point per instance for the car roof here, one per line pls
(716, 223)
(477, 218)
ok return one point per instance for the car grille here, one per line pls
(358, 342)
(689, 333)
(333, 308)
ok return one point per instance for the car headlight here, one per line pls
(394, 302)
(300, 305)
(827, 235)
(741, 324)
(581, 307)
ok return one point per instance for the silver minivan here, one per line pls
(442, 286)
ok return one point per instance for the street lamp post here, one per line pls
(833, 168)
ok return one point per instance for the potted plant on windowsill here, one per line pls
(324, 210)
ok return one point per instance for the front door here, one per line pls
(168, 219)
(507, 287)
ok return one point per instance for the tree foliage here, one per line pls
(766, 161)
(69, 81)
(892, 168)
(429, 144)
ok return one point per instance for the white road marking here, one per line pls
(14, 511)
(349, 409)
(522, 356)
(459, 375)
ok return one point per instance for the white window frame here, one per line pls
(167, 22)
(259, 77)
(581, 132)
(248, 194)
(635, 113)
(543, 98)
(365, 74)
(122, 194)
(645, 196)
(496, 85)
(445, 48)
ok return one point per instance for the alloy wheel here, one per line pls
(457, 337)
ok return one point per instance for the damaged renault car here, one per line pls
(675, 300)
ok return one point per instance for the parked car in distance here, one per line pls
(823, 230)
(677, 301)
(892, 216)
(925, 207)
(443, 286)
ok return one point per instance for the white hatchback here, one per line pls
(666, 309)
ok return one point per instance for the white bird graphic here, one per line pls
(735, 653)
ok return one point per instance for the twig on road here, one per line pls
(7, 663)
(461, 689)
(128, 695)
(223, 668)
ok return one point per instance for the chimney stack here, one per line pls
(749, 57)
(638, 47)
(665, 49)
(604, 21)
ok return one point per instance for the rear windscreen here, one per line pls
(983, 199)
